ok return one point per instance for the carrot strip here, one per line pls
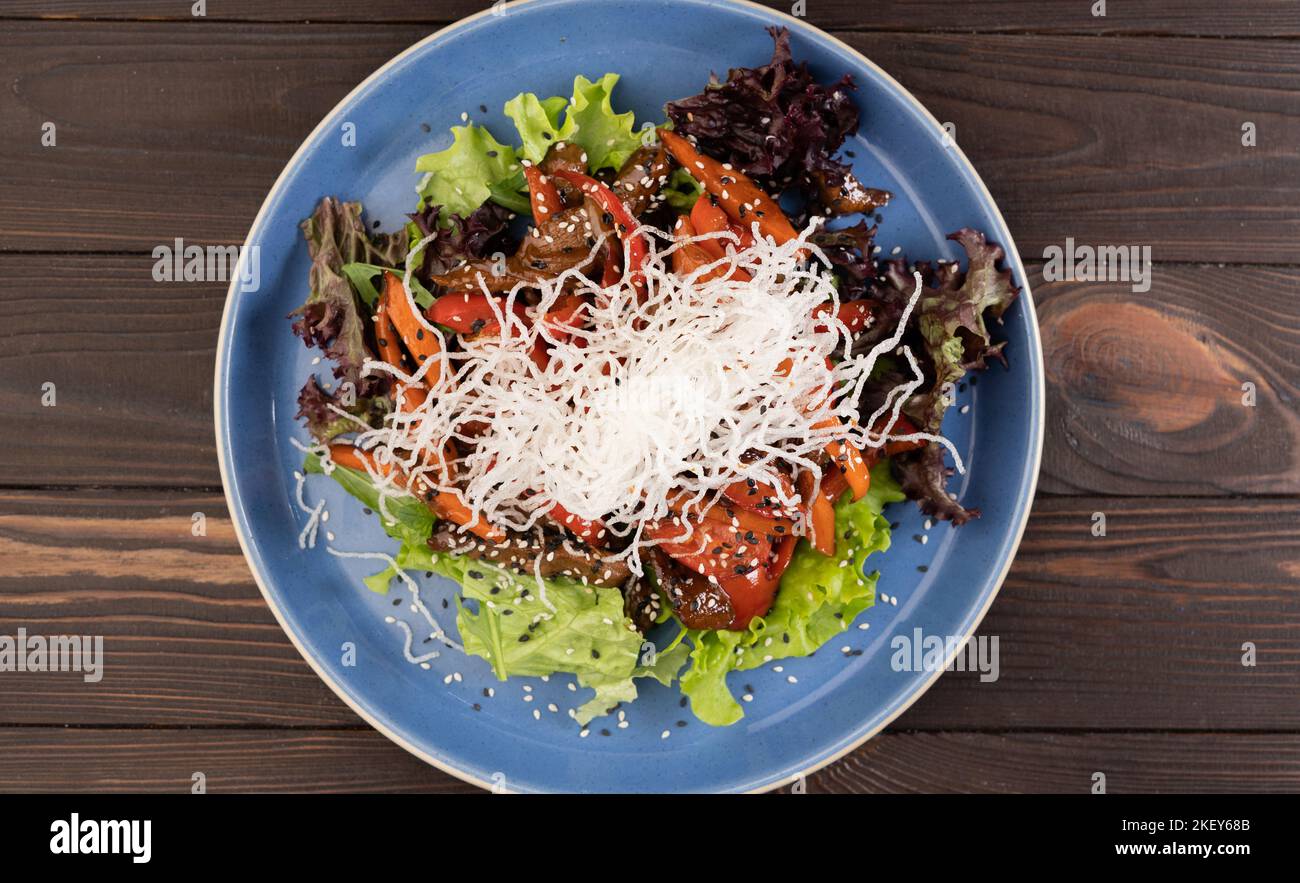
(421, 344)
(443, 504)
(742, 199)
(821, 522)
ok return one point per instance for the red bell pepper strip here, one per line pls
(469, 312)
(742, 199)
(592, 533)
(543, 198)
(623, 220)
(902, 426)
(713, 549)
(855, 314)
(565, 316)
(752, 594)
(759, 496)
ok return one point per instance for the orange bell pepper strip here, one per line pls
(421, 344)
(821, 521)
(708, 218)
(443, 504)
(742, 199)
(543, 198)
(850, 459)
(690, 256)
(390, 347)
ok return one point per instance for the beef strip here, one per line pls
(519, 552)
(641, 178)
(849, 197)
(698, 603)
(640, 603)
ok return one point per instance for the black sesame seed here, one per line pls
(522, 638)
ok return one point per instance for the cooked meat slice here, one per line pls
(557, 244)
(519, 552)
(640, 603)
(698, 603)
(849, 197)
(641, 178)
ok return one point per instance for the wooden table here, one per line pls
(1120, 654)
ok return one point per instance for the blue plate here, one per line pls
(663, 50)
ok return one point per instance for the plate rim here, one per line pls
(1037, 382)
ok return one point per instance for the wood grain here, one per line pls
(40, 759)
(131, 361)
(1116, 141)
(1269, 18)
(1142, 628)
(1144, 390)
(1064, 763)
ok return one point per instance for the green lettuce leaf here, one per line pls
(538, 122)
(462, 176)
(607, 137)
(411, 521)
(818, 599)
(589, 121)
(682, 190)
(512, 628)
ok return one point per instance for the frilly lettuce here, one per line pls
(462, 176)
(509, 625)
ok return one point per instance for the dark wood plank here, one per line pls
(91, 761)
(131, 361)
(1143, 627)
(188, 638)
(1144, 390)
(1132, 140)
(1037, 763)
(39, 759)
(1195, 17)
(1140, 629)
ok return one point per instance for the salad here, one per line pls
(641, 392)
